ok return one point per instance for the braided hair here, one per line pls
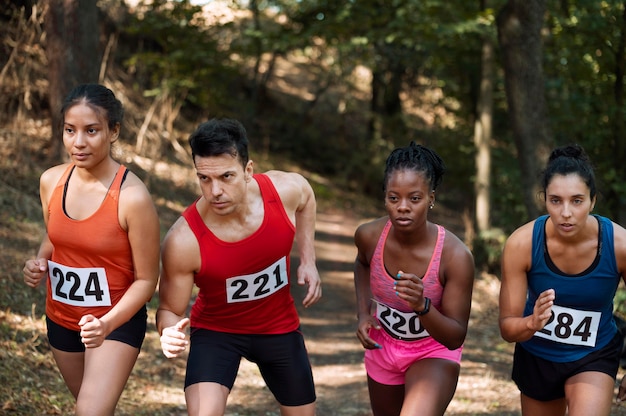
(566, 160)
(418, 158)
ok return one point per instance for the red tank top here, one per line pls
(91, 265)
(244, 285)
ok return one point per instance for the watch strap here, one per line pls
(426, 307)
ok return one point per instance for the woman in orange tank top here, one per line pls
(99, 257)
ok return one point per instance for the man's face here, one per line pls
(223, 181)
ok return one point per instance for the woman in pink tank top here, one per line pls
(413, 283)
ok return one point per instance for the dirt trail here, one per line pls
(155, 386)
(336, 355)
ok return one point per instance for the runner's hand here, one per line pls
(309, 275)
(174, 340)
(621, 392)
(363, 329)
(92, 331)
(542, 310)
(35, 271)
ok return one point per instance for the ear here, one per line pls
(115, 133)
(249, 170)
(431, 198)
(593, 204)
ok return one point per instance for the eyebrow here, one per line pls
(88, 125)
(570, 196)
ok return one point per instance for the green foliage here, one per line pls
(619, 301)
(585, 88)
(180, 54)
(428, 51)
(487, 249)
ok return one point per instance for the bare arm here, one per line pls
(299, 202)
(180, 257)
(516, 260)
(365, 239)
(137, 214)
(449, 324)
(619, 234)
(36, 270)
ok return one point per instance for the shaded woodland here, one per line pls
(327, 88)
(334, 86)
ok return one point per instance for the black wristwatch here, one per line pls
(426, 307)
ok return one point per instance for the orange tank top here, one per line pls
(91, 265)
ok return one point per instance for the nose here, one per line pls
(216, 188)
(566, 212)
(403, 205)
(79, 139)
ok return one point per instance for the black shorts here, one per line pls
(132, 333)
(545, 380)
(282, 360)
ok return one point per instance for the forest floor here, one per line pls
(30, 384)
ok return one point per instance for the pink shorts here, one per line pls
(389, 364)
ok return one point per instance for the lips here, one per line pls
(403, 220)
(219, 204)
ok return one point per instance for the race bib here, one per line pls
(571, 326)
(257, 285)
(404, 326)
(79, 286)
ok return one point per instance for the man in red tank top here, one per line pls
(234, 243)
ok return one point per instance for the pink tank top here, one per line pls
(381, 282)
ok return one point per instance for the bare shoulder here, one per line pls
(180, 236)
(51, 176)
(457, 260)
(180, 251)
(454, 246)
(366, 235)
(287, 181)
(517, 253)
(619, 233)
(619, 238)
(294, 190)
(134, 189)
(521, 238)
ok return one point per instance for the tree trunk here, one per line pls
(519, 33)
(482, 138)
(72, 52)
(386, 118)
(615, 199)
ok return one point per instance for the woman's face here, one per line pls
(568, 202)
(408, 197)
(86, 135)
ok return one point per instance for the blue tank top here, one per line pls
(582, 315)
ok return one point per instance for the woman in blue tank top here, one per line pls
(560, 273)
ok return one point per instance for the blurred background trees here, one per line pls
(333, 86)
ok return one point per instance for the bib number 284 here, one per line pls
(79, 286)
(571, 326)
